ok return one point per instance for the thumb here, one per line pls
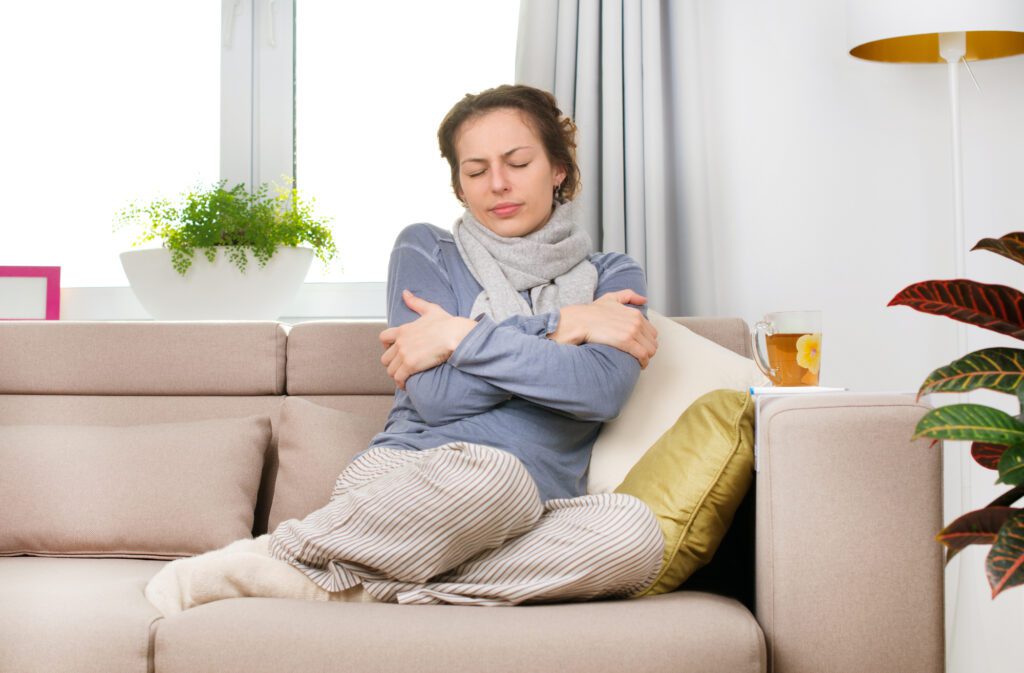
(626, 296)
(421, 306)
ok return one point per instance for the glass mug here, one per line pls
(792, 340)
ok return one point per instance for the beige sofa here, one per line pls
(830, 566)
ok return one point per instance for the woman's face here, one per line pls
(505, 176)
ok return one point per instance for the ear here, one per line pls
(558, 176)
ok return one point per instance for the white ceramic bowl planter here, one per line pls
(218, 290)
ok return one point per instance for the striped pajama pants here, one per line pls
(464, 524)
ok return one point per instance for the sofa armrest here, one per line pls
(848, 572)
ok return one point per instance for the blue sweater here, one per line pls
(506, 385)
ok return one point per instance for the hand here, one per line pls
(423, 343)
(608, 321)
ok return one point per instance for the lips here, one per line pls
(506, 209)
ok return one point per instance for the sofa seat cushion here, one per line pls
(75, 615)
(676, 632)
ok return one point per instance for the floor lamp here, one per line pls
(936, 31)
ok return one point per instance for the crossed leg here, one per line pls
(463, 524)
(411, 515)
(594, 546)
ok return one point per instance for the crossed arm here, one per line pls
(582, 361)
(430, 339)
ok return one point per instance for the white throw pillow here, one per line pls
(685, 367)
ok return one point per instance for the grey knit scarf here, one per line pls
(551, 263)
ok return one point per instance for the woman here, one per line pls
(506, 366)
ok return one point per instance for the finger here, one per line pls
(612, 296)
(648, 338)
(649, 331)
(639, 344)
(649, 347)
(389, 355)
(652, 329)
(421, 306)
(388, 336)
(630, 298)
(394, 365)
(626, 296)
(401, 376)
(639, 352)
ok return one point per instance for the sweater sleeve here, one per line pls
(442, 394)
(589, 382)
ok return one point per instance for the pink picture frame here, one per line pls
(51, 274)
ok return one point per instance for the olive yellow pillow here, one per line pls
(694, 478)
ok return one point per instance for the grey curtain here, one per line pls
(625, 71)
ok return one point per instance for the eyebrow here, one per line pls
(505, 154)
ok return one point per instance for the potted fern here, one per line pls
(225, 253)
(997, 437)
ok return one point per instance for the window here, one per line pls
(372, 82)
(104, 102)
(117, 100)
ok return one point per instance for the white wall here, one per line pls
(829, 183)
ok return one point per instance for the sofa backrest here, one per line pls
(131, 373)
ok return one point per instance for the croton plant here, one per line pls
(997, 437)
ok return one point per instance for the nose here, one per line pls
(499, 180)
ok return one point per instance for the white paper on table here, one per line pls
(792, 390)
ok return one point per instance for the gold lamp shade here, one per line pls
(907, 31)
(924, 48)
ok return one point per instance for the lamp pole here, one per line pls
(952, 47)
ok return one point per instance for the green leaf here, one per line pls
(1005, 563)
(1011, 466)
(978, 527)
(987, 455)
(994, 307)
(971, 422)
(1010, 246)
(210, 217)
(999, 369)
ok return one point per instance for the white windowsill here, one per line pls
(315, 301)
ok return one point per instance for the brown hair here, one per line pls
(557, 132)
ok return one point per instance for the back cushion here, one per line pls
(337, 358)
(142, 491)
(315, 443)
(142, 358)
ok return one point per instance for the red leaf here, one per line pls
(987, 455)
(994, 307)
(1009, 498)
(1010, 246)
(978, 527)
(1005, 562)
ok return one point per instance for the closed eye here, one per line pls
(480, 172)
